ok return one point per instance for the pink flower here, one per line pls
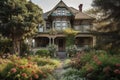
(28, 66)
(13, 70)
(24, 75)
(117, 71)
(36, 76)
(106, 69)
(21, 67)
(117, 65)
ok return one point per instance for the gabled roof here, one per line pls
(73, 10)
(60, 4)
(81, 15)
(78, 14)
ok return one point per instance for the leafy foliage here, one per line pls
(72, 74)
(97, 66)
(70, 36)
(29, 68)
(19, 19)
(5, 46)
(109, 23)
(52, 50)
(42, 53)
(71, 50)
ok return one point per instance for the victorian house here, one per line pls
(60, 18)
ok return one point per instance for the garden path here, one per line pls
(59, 71)
(61, 55)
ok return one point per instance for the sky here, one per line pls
(47, 5)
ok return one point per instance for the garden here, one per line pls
(93, 66)
(27, 68)
(19, 21)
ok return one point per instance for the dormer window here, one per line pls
(60, 12)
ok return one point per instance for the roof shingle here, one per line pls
(78, 14)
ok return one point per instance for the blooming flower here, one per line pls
(28, 66)
(21, 67)
(24, 75)
(106, 69)
(117, 65)
(117, 71)
(36, 76)
(13, 70)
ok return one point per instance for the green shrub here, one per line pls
(5, 46)
(98, 66)
(81, 59)
(16, 68)
(71, 50)
(24, 49)
(72, 74)
(52, 50)
(43, 53)
(43, 61)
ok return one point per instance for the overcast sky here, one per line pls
(47, 5)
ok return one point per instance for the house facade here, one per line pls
(60, 18)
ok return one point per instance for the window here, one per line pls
(79, 28)
(82, 28)
(40, 29)
(60, 25)
(64, 25)
(61, 11)
(86, 28)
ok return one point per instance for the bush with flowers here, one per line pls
(97, 66)
(16, 68)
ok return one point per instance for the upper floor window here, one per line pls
(40, 28)
(61, 11)
(61, 25)
(86, 28)
(83, 27)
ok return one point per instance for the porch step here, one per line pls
(61, 55)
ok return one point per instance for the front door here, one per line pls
(61, 44)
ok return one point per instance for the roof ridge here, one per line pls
(58, 5)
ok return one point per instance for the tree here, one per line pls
(70, 36)
(109, 22)
(19, 19)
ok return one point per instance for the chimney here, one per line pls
(80, 7)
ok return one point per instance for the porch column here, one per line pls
(49, 41)
(94, 41)
(53, 40)
(33, 43)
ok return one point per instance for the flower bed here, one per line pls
(30, 68)
(97, 66)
